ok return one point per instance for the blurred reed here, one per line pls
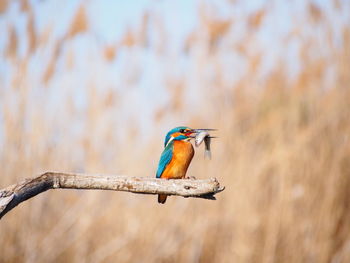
(283, 153)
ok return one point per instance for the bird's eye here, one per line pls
(182, 130)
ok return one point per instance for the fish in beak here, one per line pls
(203, 135)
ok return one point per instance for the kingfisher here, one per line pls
(177, 155)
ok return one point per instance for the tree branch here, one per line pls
(13, 195)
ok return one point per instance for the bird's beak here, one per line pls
(197, 131)
(201, 130)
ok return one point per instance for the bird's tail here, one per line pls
(162, 199)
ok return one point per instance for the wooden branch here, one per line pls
(13, 195)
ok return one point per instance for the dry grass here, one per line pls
(283, 154)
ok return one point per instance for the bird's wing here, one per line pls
(165, 159)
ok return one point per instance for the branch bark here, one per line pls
(13, 195)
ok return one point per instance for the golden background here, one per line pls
(283, 148)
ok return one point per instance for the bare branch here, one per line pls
(11, 196)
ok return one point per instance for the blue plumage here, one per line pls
(165, 159)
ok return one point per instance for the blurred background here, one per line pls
(93, 87)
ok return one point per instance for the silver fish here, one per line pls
(200, 137)
(204, 136)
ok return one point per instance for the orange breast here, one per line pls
(182, 157)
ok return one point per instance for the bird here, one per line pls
(177, 155)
